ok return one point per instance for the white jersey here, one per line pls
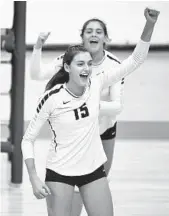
(113, 95)
(111, 98)
(76, 148)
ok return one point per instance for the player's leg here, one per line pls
(96, 196)
(77, 203)
(108, 146)
(60, 200)
(108, 141)
(49, 202)
(62, 189)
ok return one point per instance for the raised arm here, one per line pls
(138, 56)
(38, 70)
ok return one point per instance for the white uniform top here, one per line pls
(114, 93)
(76, 148)
(111, 98)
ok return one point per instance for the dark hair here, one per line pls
(95, 20)
(62, 76)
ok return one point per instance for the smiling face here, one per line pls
(79, 69)
(94, 37)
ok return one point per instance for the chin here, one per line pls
(83, 83)
(94, 50)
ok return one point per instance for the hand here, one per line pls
(40, 189)
(151, 15)
(43, 36)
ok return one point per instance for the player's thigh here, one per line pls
(49, 200)
(108, 146)
(97, 198)
(77, 204)
(60, 200)
(76, 208)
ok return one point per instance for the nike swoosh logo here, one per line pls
(65, 102)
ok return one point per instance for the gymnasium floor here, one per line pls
(139, 186)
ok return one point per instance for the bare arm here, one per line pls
(40, 189)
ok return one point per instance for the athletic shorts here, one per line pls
(79, 181)
(110, 133)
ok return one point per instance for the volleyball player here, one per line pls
(94, 44)
(111, 103)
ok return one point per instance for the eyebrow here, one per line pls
(92, 29)
(81, 61)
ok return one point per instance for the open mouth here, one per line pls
(84, 75)
(93, 42)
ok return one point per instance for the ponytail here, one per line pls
(60, 77)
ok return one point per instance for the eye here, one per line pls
(80, 64)
(99, 32)
(88, 31)
(90, 63)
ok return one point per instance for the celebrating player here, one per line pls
(79, 104)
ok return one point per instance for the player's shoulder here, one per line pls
(49, 94)
(95, 80)
(55, 91)
(111, 57)
(50, 98)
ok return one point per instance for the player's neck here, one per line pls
(98, 57)
(74, 89)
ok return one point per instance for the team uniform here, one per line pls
(111, 97)
(76, 149)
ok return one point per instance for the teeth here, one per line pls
(84, 75)
(93, 41)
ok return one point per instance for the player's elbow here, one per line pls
(27, 148)
(138, 60)
(33, 72)
(115, 109)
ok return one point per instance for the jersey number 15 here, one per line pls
(81, 112)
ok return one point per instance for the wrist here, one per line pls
(33, 176)
(150, 24)
(147, 32)
(38, 44)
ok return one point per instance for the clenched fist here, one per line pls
(151, 15)
(43, 36)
